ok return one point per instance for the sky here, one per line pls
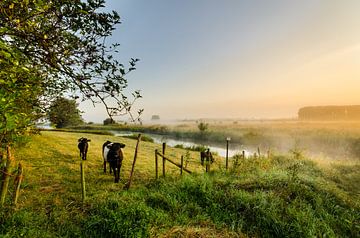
(241, 59)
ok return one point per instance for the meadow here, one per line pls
(286, 195)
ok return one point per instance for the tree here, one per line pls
(108, 121)
(202, 126)
(49, 48)
(64, 112)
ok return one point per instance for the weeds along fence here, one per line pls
(164, 159)
(5, 179)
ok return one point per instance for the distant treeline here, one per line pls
(335, 113)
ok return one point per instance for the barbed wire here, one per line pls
(8, 174)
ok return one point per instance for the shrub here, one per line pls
(202, 126)
(108, 121)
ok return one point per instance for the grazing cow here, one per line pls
(83, 147)
(114, 156)
(206, 155)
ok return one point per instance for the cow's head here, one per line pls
(83, 140)
(116, 146)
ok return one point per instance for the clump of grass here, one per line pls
(198, 148)
(143, 137)
(355, 147)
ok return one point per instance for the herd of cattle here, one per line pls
(112, 153)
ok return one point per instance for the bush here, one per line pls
(202, 126)
(109, 121)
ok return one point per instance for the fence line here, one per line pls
(169, 160)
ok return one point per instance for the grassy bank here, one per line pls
(283, 196)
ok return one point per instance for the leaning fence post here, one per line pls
(163, 152)
(259, 152)
(127, 185)
(18, 180)
(156, 164)
(82, 170)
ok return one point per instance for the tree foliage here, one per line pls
(108, 121)
(202, 126)
(64, 112)
(20, 87)
(51, 47)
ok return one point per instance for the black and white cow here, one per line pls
(113, 154)
(83, 147)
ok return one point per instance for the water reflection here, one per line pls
(188, 143)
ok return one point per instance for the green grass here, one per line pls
(143, 137)
(281, 196)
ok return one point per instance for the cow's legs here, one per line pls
(116, 168)
(116, 174)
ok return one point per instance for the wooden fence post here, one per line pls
(227, 152)
(156, 164)
(6, 175)
(82, 170)
(128, 184)
(18, 181)
(163, 152)
(182, 165)
(259, 152)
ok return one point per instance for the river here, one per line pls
(190, 143)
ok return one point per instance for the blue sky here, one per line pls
(237, 58)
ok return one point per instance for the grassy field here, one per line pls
(282, 196)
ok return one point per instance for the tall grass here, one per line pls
(281, 196)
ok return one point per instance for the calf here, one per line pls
(113, 154)
(206, 155)
(83, 147)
